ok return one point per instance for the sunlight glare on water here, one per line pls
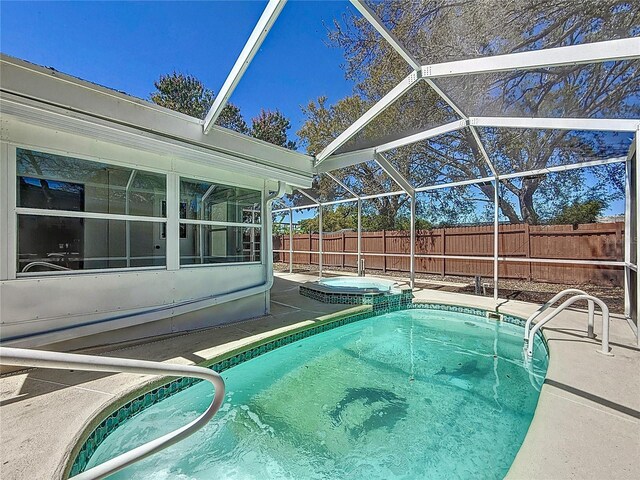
(411, 394)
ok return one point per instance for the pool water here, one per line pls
(410, 394)
(359, 283)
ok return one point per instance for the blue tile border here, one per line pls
(382, 302)
(379, 303)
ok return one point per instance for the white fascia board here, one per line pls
(52, 88)
(418, 137)
(395, 93)
(623, 49)
(260, 31)
(56, 119)
(346, 160)
(375, 21)
(395, 175)
(598, 124)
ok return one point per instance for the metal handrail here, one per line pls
(38, 358)
(557, 297)
(567, 303)
(55, 266)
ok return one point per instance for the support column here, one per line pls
(636, 208)
(320, 241)
(627, 238)
(173, 222)
(290, 240)
(412, 247)
(360, 272)
(495, 237)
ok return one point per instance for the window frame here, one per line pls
(217, 223)
(16, 211)
(172, 247)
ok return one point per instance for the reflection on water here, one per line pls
(412, 394)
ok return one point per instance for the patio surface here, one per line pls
(587, 424)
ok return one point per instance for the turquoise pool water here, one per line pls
(359, 283)
(411, 394)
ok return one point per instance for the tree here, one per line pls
(186, 94)
(579, 212)
(272, 127)
(345, 217)
(443, 30)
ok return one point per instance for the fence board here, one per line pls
(596, 241)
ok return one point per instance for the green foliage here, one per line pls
(443, 31)
(272, 127)
(186, 94)
(345, 217)
(579, 212)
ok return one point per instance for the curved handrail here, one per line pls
(55, 266)
(557, 297)
(605, 321)
(39, 358)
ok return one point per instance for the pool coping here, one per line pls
(143, 396)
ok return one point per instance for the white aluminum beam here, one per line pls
(598, 124)
(527, 173)
(395, 93)
(395, 175)
(375, 21)
(483, 152)
(346, 160)
(260, 31)
(623, 49)
(314, 200)
(354, 194)
(418, 137)
(563, 168)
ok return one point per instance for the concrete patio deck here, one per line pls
(587, 424)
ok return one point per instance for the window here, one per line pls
(222, 223)
(76, 214)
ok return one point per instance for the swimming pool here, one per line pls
(410, 394)
(359, 283)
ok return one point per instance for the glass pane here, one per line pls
(59, 244)
(55, 182)
(201, 200)
(205, 244)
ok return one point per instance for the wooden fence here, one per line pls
(595, 241)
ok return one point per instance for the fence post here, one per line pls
(310, 248)
(384, 251)
(343, 247)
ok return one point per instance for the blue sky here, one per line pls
(128, 45)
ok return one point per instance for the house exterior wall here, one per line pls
(42, 308)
